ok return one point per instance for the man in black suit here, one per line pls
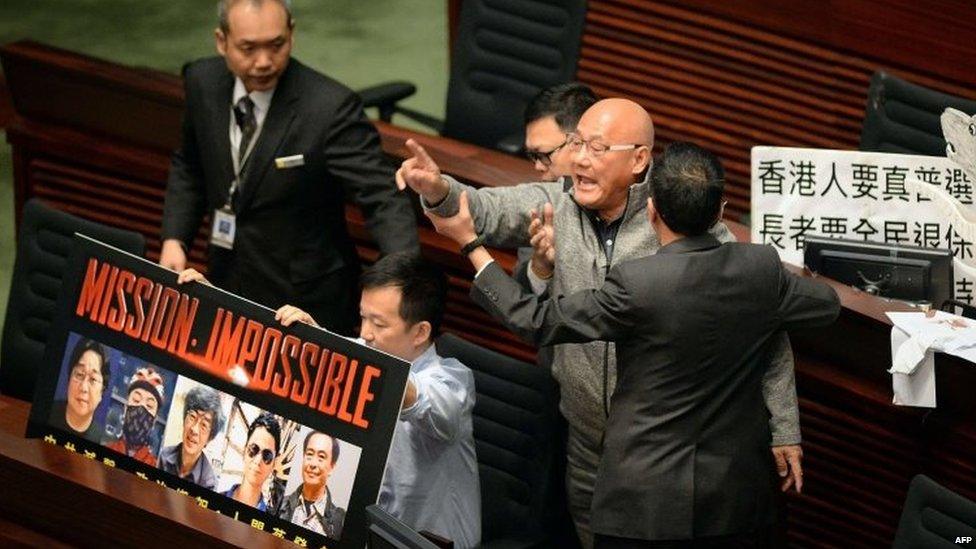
(270, 148)
(686, 459)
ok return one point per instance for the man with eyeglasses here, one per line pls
(310, 505)
(685, 460)
(87, 378)
(203, 418)
(596, 224)
(549, 117)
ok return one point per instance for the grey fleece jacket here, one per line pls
(587, 372)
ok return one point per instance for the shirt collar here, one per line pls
(173, 456)
(690, 244)
(321, 505)
(428, 357)
(425, 359)
(262, 99)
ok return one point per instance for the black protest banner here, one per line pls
(285, 428)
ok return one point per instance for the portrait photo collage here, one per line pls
(232, 456)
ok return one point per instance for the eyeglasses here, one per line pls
(596, 149)
(79, 377)
(194, 417)
(267, 455)
(544, 158)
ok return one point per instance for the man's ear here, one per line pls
(422, 332)
(642, 158)
(221, 40)
(651, 211)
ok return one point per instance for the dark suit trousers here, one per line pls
(332, 300)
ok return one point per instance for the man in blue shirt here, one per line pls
(431, 480)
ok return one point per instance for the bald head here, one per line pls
(620, 120)
(611, 152)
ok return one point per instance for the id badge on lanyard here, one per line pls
(224, 219)
(224, 227)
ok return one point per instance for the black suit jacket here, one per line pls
(687, 441)
(292, 245)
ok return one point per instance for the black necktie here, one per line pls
(247, 122)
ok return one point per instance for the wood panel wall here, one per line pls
(732, 75)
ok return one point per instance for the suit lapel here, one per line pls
(281, 113)
(221, 136)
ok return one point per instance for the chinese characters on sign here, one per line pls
(859, 195)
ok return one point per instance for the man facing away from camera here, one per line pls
(686, 460)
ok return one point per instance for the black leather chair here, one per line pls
(43, 245)
(902, 117)
(505, 52)
(960, 308)
(935, 517)
(519, 441)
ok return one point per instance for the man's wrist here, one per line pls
(480, 258)
(473, 244)
(543, 274)
(433, 202)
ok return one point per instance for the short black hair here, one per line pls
(270, 424)
(204, 399)
(423, 287)
(83, 346)
(564, 102)
(335, 444)
(687, 182)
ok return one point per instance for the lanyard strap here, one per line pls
(240, 165)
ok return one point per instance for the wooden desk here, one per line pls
(861, 451)
(52, 497)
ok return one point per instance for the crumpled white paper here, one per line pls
(915, 338)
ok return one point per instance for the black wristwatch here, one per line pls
(473, 245)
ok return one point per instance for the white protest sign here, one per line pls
(892, 198)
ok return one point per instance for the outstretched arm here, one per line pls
(605, 314)
(501, 214)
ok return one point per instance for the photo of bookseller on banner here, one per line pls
(253, 453)
(320, 484)
(79, 405)
(138, 407)
(193, 444)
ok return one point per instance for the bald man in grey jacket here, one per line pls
(597, 224)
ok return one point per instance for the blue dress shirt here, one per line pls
(431, 480)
